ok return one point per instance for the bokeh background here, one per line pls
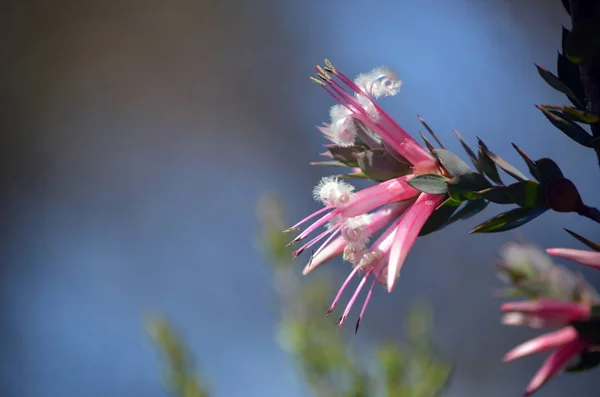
(137, 136)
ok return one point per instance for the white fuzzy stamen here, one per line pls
(381, 81)
(355, 231)
(369, 259)
(342, 128)
(352, 254)
(331, 191)
(368, 106)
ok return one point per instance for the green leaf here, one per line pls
(565, 34)
(429, 183)
(588, 243)
(497, 194)
(470, 152)
(328, 163)
(555, 82)
(465, 186)
(527, 194)
(470, 209)
(509, 220)
(548, 170)
(451, 163)
(439, 219)
(431, 132)
(583, 42)
(354, 175)
(380, 165)
(567, 5)
(578, 115)
(530, 163)
(500, 162)
(570, 74)
(489, 167)
(570, 129)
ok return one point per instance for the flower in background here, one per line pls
(583, 257)
(350, 218)
(566, 342)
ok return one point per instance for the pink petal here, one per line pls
(408, 230)
(555, 363)
(549, 309)
(586, 258)
(541, 343)
(378, 195)
(333, 249)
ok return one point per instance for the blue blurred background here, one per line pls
(137, 137)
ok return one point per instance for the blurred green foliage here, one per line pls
(180, 375)
(325, 358)
(324, 355)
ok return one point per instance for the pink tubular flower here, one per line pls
(566, 341)
(583, 257)
(350, 218)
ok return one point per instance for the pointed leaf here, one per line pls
(548, 170)
(354, 175)
(509, 220)
(567, 5)
(465, 186)
(429, 183)
(451, 163)
(570, 75)
(573, 114)
(439, 219)
(530, 163)
(500, 162)
(470, 152)
(470, 209)
(583, 42)
(427, 143)
(588, 243)
(528, 194)
(489, 167)
(570, 129)
(497, 194)
(329, 163)
(431, 132)
(380, 165)
(565, 34)
(555, 82)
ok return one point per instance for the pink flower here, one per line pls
(583, 257)
(347, 215)
(566, 341)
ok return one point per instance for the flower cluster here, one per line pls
(351, 218)
(575, 318)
